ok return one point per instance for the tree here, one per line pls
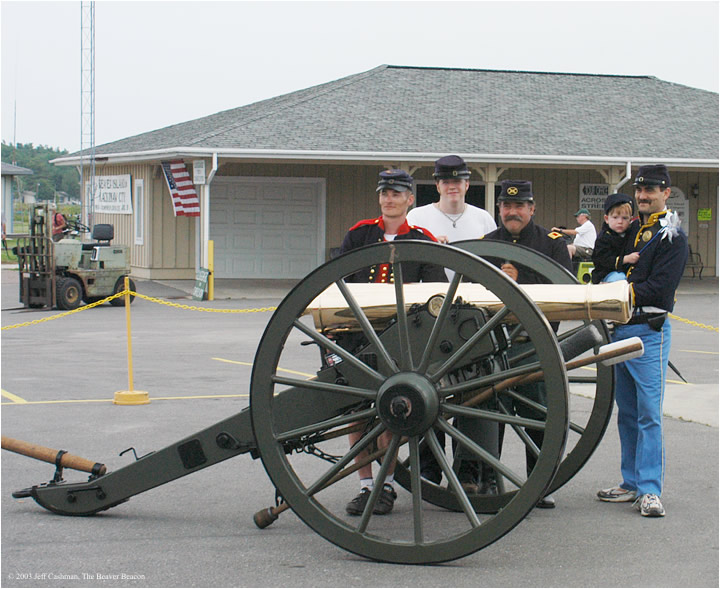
(50, 178)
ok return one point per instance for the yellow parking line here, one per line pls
(14, 398)
(279, 369)
(23, 402)
(699, 352)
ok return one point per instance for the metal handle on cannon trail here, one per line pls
(58, 457)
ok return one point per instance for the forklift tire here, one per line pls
(68, 293)
(119, 287)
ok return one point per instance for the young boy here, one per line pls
(610, 264)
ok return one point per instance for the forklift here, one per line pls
(65, 273)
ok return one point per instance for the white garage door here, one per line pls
(267, 227)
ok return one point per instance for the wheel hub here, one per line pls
(408, 403)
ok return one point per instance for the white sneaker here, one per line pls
(616, 495)
(649, 505)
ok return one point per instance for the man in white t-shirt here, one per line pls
(451, 218)
(585, 236)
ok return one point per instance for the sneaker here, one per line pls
(649, 505)
(546, 503)
(386, 500)
(384, 504)
(357, 505)
(616, 495)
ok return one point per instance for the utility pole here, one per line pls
(87, 107)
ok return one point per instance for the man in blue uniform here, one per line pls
(640, 382)
(517, 207)
(396, 197)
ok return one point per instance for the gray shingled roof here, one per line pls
(437, 110)
(13, 170)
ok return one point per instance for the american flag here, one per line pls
(184, 198)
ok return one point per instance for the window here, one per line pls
(139, 207)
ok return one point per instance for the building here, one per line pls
(9, 171)
(281, 180)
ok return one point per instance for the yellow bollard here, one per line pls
(131, 396)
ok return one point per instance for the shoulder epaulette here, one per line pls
(554, 234)
(423, 231)
(363, 223)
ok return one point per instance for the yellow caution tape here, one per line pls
(141, 296)
(694, 323)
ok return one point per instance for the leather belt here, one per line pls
(645, 318)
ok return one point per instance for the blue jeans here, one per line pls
(639, 391)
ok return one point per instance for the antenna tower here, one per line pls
(87, 105)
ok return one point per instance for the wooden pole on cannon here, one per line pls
(58, 457)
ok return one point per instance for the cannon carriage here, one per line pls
(422, 357)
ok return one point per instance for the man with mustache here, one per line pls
(517, 206)
(640, 382)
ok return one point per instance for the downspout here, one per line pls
(624, 178)
(206, 210)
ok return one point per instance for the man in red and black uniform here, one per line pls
(396, 197)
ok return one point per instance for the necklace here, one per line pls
(455, 219)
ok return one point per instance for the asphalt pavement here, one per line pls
(59, 377)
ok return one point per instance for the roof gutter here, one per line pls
(375, 156)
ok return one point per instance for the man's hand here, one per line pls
(510, 270)
(442, 239)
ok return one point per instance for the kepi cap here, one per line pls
(398, 180)
(451, 167)
(520, 190)
(616, 199)
(653, 175)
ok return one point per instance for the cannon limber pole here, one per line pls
(60, 458)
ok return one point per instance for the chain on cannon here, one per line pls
(406, 359)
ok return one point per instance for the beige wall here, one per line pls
(169, 249)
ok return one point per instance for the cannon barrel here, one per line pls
(558, 302)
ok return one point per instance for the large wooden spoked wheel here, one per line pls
(400, 391)
(585, 432)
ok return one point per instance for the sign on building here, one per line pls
(112, 194)
(592, 196)
(198, 171)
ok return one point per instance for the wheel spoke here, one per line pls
(453, 409)
(453, 482)
(416, 487)
(439, 322)
(480, 333)
(326, 424)
(403, 334)
(326, 386)
(390, 452)
(325, 342)
(327, 479)
(521, 433)
(481, 453)
(525, 401)
(367, 328)
(488, 380)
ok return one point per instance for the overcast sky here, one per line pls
(161, 63)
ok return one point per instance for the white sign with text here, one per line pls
(592, 196)
(113, 195)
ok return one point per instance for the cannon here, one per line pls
(423, 355)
